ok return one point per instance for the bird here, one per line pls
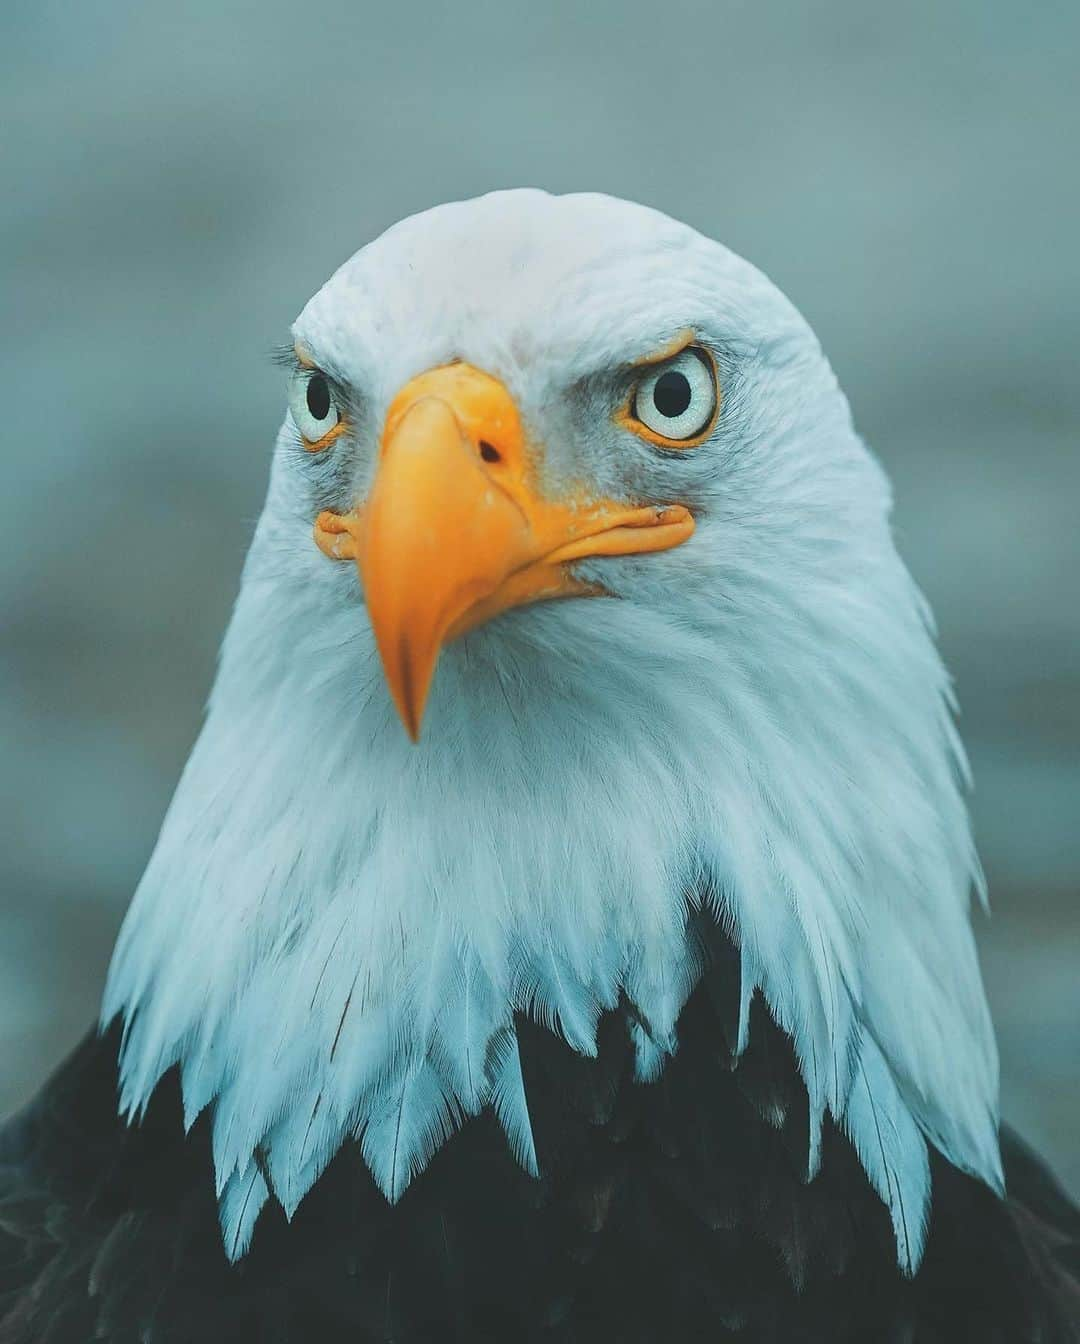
(562, 927)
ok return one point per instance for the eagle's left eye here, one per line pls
(311, 404)
(675, 402)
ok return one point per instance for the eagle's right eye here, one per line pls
(311, 405)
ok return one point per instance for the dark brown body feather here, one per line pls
(671, 1211)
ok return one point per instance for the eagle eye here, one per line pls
(674, 402)
(311, 405)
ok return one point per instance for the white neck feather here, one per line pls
(336, 926)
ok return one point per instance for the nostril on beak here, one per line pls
(489, 452)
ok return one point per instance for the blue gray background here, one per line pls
(177, 178)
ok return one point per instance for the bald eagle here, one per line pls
(561, 929)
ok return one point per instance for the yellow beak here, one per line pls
(455, 531)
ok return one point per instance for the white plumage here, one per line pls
(337, 926)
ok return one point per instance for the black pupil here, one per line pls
(318, 396)
(672, 394)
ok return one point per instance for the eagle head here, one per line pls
(574, 609)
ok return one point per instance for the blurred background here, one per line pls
(179, 178)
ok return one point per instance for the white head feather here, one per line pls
(336, 926)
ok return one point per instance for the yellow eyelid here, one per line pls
(626, 419)
(327, 439)
(682, 340)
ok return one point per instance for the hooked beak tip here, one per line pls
(408, 689)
